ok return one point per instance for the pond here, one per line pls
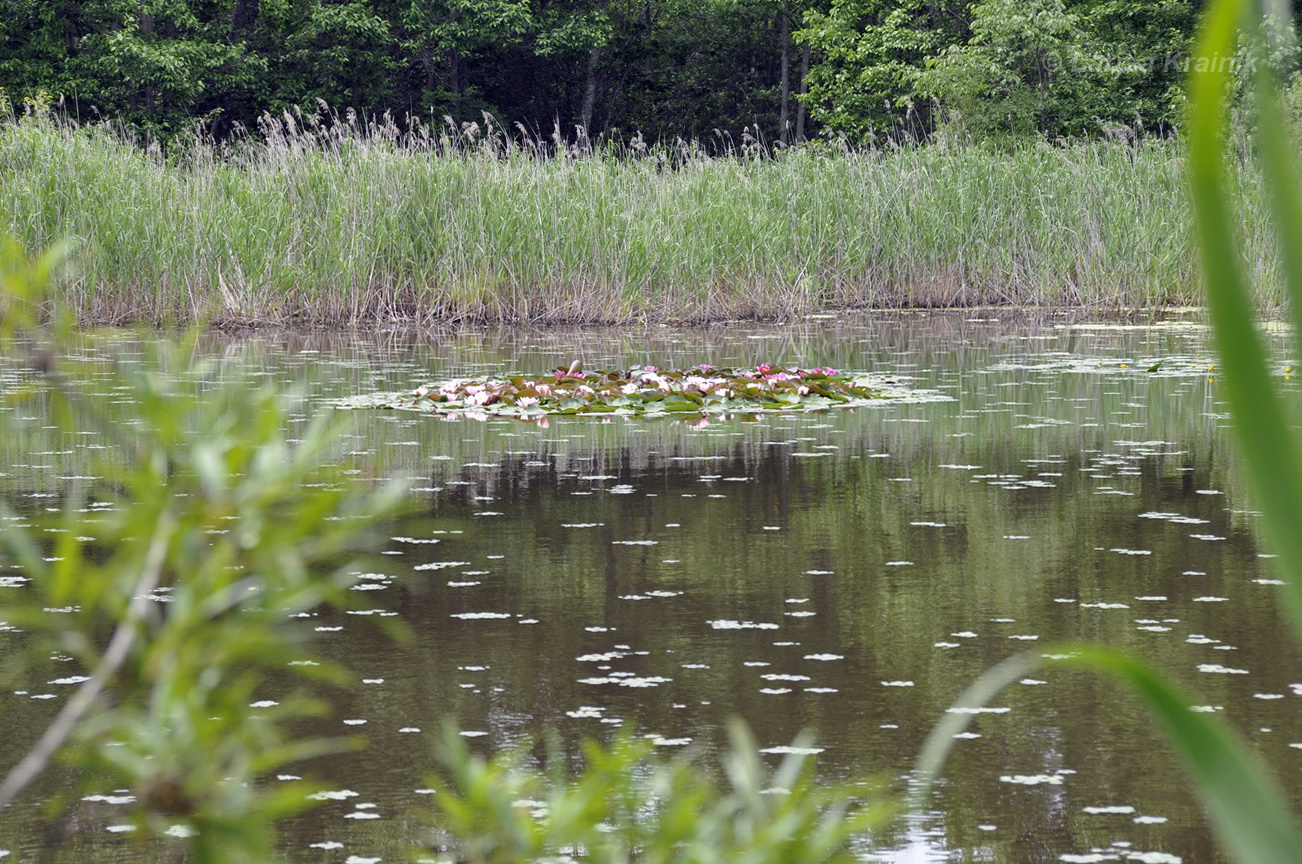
(848, 572)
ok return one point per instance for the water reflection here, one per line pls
(847, 572)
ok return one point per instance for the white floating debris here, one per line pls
(1116, 808)
(361, 814)
(777, 676)
(476, 616)
(726, 624)
(784, 749)
(981, 710)
(650, 681)
(264, 703)
(1217, 668)
(824, 657)
(899, 563)
(635, 542)
(1132, 551)
(1149, 820)
(1210, 599)
(333, 795)
(774, 691)
(897, 683)
(472, 733)
(1033, 779)
(440, 565)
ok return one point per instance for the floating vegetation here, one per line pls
(647, 391)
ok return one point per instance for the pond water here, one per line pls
(846, 572)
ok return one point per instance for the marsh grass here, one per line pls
(331, 220)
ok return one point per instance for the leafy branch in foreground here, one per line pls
(195, 543)
(630, 804)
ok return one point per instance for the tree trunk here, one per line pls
(147, 26)
(244, 15)
(803, 89)
(427, 63)
(784, 123)
(590, 91)
(455, 72)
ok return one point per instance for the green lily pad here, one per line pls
(647, 390)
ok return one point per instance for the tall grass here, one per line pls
(330, 220)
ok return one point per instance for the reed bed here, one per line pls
(328, 220)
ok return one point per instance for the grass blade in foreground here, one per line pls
(1267, 446)
(1247, 806)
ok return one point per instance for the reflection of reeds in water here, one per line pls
(339, 221)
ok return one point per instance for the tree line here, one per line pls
(777, 70)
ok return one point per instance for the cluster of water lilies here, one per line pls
(645, 390)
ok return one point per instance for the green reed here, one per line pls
(331, 220)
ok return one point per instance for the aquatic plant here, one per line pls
(348, 223)
(643, 390)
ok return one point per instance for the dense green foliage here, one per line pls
(663, 67)
(776, 70)
(1052, 67)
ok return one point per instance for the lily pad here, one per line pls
(646, 390)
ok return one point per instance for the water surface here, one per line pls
(846, 572)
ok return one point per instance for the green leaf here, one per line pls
(1248, 807)
(1268, 447)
